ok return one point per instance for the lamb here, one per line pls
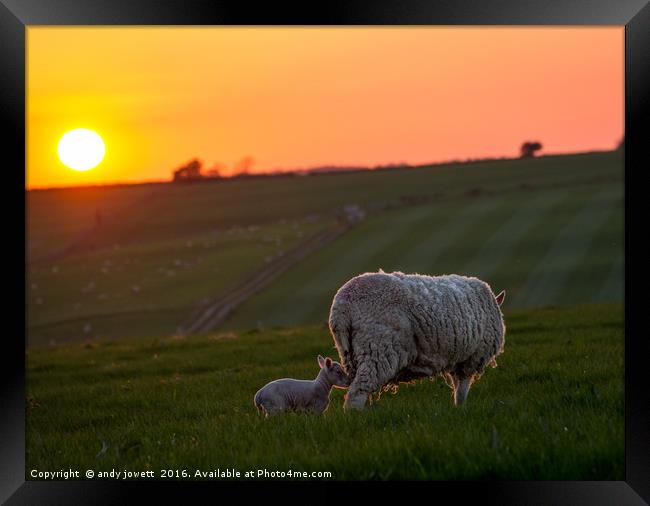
(302, 395)
(393, 328)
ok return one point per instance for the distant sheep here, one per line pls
(392, 328)
(302, 395)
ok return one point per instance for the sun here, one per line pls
(81, 149)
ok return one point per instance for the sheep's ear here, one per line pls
(321, 361)
(501, 297)
(328, 362)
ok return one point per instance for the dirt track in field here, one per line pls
(211, 315)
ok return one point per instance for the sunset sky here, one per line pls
(301, 97)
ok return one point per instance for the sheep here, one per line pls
(397, 328)
(313, 396)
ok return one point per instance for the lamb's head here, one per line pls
(334, 372)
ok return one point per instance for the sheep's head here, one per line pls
(334, 371)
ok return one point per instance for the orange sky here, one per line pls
(294, 97)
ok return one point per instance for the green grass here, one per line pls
(553, 409)
(165, 211)
(553, 246)
(57, 217)
(548, 230)
(93, 294)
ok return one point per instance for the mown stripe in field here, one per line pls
(595, 265)
(613, 287)
(458, 254)
(524, 256)
(497, 248)
(407, 239)
(545, 282)
(423, 254)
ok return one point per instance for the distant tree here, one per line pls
(528, 149)
(191, 171)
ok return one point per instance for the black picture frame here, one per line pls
(16, 15)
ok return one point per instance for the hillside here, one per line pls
(549, 230)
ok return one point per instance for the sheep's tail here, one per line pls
(341, 329)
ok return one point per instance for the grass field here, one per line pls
(147, 288)
(550, 246)
(553, 409)
(548, 230)
(121, 389)
(57, 217)
(163, 211)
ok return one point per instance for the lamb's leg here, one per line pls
(461, 389)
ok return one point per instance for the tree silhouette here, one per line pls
(528, 149)
(191, 171)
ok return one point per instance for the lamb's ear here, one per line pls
(501, 297)
(328, 362)
(321, 361)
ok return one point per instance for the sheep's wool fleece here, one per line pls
(409, 326)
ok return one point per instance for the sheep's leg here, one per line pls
(370, 375)
(377, 363)
(366, 381)
(358, 391)
(356, 400)
(461, 389)
(269, 409)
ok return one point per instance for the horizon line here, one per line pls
(351, 168)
